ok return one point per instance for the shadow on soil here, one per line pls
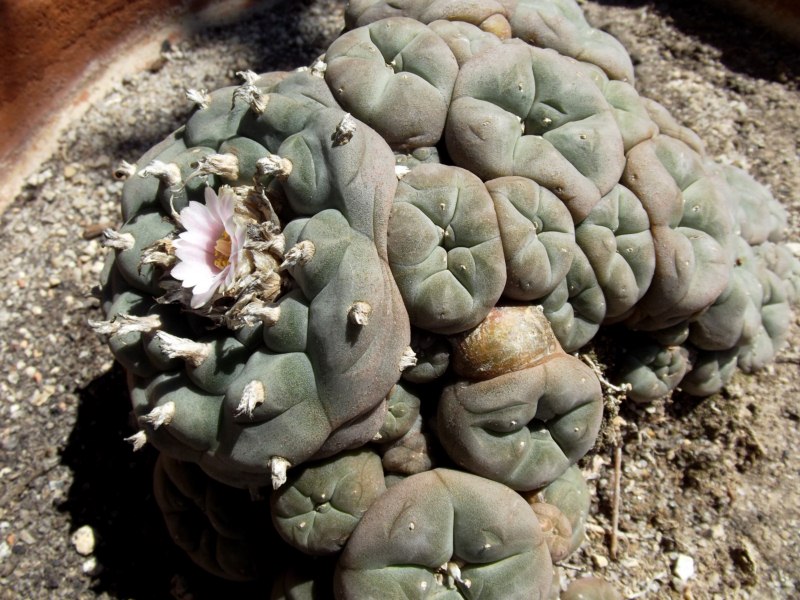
(744, 45)
(112, 492)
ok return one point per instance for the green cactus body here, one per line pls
(127, 347)
(291, 103)
(444, 248)
(630, 110)
(487, 15)
(397, 76)
(289, 388)
(560, 24)
(321, 504)
(668, 126)
(191, 184)
(538, 236)
(519, 110)
(449, 533)
(464, 39)
(776, 315)
(221, 528)
(653, 370)
(140, 194)
(692, 232)
(616, 240)
(735, 317)
(403, 406)
(577, 306)
(759, 217)
(410, 454)
(570, 494)
(146, 228)
(433, 357)
(450, 199)
(711, 371)
(523, 428)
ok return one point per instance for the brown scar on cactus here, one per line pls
(555, 527)
(194, 353)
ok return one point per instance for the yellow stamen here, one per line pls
(222, 251)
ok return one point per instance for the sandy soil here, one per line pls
(715, 480)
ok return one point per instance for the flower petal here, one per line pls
(199, 239)
(200, 299)
(221, 208)
(195, 248)
(225, 203)
(193, 254)
(197, 217)
(192, 275)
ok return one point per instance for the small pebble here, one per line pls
(83, 540)
(600, 561)
(683, 568)
(27, 538)
(93, 230)
(90, 566)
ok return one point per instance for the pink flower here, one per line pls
(209, 250)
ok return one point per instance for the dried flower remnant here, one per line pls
(209, 250)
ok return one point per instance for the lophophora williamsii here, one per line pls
(361, 283)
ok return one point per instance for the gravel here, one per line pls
(711, 484)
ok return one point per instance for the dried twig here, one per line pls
(622, 389)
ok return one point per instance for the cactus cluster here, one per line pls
(356, 288)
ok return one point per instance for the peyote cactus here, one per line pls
(347, 281)
(321, 504)
(221, 528)
(445, 533)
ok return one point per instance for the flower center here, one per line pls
(222, 251)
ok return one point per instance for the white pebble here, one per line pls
(600, 561)
(83, 540)
(90, 566)
(683, 568)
